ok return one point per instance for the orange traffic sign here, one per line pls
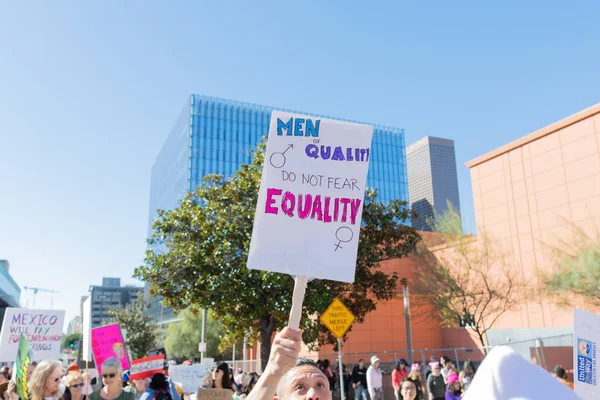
(337, 318)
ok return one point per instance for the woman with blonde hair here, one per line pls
(45, 381)
(75, 384)
(112, 379)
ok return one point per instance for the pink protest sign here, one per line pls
(107, 342)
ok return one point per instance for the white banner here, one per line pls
(86, 351)
(309, 209)
(190, 377)
(42, 329)
(586, 336)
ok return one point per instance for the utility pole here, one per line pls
(203, 333)
(407, 319)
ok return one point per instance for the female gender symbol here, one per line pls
(343, 234)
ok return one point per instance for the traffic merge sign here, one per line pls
(338, 318)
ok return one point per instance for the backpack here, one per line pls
(162, 394)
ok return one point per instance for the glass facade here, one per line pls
(10, 293)
(215, 136)
(432, 179)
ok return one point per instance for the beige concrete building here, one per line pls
(528, 194)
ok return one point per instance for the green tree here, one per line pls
(206, 240)
(141, 332)
(467, 281)
(576, 268)
(71, 342)
(184, 336)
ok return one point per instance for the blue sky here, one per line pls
(89, 91)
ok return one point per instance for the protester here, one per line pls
(408, 389)
(375, 380)
(30, 369)
(559, 373)
(112, 379)
(435, 383)
(359, 380)
(221, 378)
(504, 374)
(238, 378)
(415, 376)
(75, 385)
(453, 390)
(398, 375)
(444, 370)
(5, 375)
(467, 374)
(158, 388)
(432, 360)
(288, 376)
(326, 368)
(45, 381)
(138, 388)
(248, 384)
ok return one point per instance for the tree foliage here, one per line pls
(468, 280)
(72, 339)
(199, 251)
(183, 337)
(576, 271)
(141, 332)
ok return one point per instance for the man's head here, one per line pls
(305, 381)
(361, 363)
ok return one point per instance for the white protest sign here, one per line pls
(309, 209)
(189, 376)
(586, 336)
(86, 351)
(42, 329)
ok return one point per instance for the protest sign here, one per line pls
(146, 367)
(107, 341)
(586, 336)
(309, 209)
(214, 394)
(86, 351)
(42, 330)
(24, 358)
(190, 377)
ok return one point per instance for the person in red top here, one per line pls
(398, 375)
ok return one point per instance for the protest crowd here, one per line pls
(288, 376)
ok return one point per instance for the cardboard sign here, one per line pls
(86, 351)
(337, 318)
(146, 367)
(309, 209)
(24, 358)
(214, 394)
(107, 342)
(190, 377)
(586, 337)
(42, 330)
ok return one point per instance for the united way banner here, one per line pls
(41, 328)
(309, 209)
(586, 336)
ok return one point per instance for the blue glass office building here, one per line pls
(215, 136)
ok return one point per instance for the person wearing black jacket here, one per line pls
(359, 380)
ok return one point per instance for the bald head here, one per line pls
(304, 382)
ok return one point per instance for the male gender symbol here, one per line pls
(343, 234)
(278, 159)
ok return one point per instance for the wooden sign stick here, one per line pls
(297, 300)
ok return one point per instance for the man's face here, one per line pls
(361, 364)
(305, 383)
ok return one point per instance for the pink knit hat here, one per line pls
(452, 377)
